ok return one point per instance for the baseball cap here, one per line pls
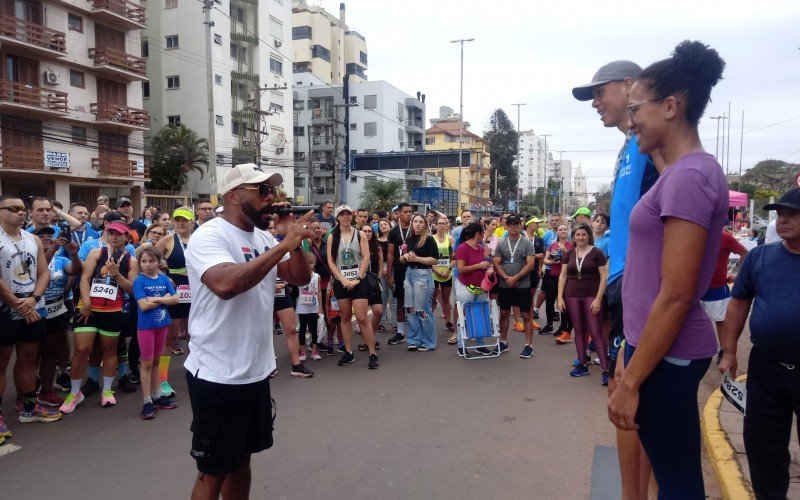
(790, 199)
(183, 212)
(582, 211)
(123, 200)
(458, 220)
(615, 71)
(343, 208)
(118, 227)
(247, 173)
(513, 219)
(113, 216)
(44, 229)
(532, 220)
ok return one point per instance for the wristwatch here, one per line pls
(37, 298)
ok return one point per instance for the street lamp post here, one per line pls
(461, 114)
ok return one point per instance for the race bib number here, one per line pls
(307, 298)
(334, 304)
(281, 292)
(55, 309)
(102, 290)
(349, 273)
(444, 262)
(734, 391)
(184, 294)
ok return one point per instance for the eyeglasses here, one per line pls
(156, 233)
(634, 107)
(264, 190)
(204, 209)
(14, 209)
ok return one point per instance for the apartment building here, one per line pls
(239, 98)
(382, 119)
(475, 180)
(325, 47)
(71, 113)
(562, 174)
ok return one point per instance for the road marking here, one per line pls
(606, 484)
(8, 448)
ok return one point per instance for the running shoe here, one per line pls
(519, 326)
(527, 352)
(165, 403)
(177, 351)
(412, 347)
(135, 376)
(579, 371)
(449, 327)
(302, 356)
(462, 352)
(273, 373)
(576, 362)
(503, 347)
(2, 440)
(535, 325)
(90, 387)
(39, 414)
(4, 432)
(397, 339)
(278, 330)
(591, 345)
(596, 361)
(557, 317)
(315, 355)
(107, 399)
(380, 328)
(485, 351)
(564, 338)
(340, 346)
(362, 347)
(394, 328)
(535, 314)
(71, 402)
(422, 348)
(148, 412)
(373, 362)
(346, 359)
(547, 330)
(301, 371)
(126, 385)
(63, 382)
(167, 390)
(49, 398)
(604, 381)
(329, 350)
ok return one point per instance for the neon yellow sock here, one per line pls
(163, 368)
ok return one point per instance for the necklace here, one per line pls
(22, 253)
(579, 260)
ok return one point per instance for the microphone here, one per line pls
(296, 210)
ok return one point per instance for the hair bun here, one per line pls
(697, 58)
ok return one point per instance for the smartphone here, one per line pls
(65, 231)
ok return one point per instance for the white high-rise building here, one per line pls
(581, 195)
(534, 164)
(562, 173)
(248, 75)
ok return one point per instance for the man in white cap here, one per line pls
(232, 264)
(634, 174)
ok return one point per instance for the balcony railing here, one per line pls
(36, 97)
(118, 60)
(32, 33)
(414, 122)
(120, 166)
(321, 140)
(123, 115)
(319, 113)
(128, 10)
(21, 158)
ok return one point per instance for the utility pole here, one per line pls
(260, 134)
(546, 183)
(340, 189)
(212, 174)
(519, 181)
(461, 115)
(310, 167)
(741, 148)
(728, 159)
(716, 151)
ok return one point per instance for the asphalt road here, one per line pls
(425, 425)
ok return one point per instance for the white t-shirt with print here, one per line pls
(231, 340)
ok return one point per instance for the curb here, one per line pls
(723, 457)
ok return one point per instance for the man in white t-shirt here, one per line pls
(232, 270)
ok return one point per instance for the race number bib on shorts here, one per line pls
(184, 294)
(734, 391)
(444, 262)
(55, 309)
(349, 273)
(102, 290)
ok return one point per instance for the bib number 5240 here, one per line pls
(102, 290)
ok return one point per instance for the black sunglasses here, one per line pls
(14, 209)
(264, 190)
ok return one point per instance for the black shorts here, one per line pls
(534, 280)
(399, 286)
(445, 284)
(59, 324)
(17, 330)
(284, 302)
(229, 422)
(375, 296)
(109, 324)
(617, 333)
(179, 311)
(360, 291)
(515, 297)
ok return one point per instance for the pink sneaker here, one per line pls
(107, 399)
(71, 402)
(302, 355)
(315, 355)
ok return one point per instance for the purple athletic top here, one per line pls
(693, 189)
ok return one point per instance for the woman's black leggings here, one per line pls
(308, 321)
(550, 287)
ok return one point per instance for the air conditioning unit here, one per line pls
(279, 151)
(278, 43)
(246, 142)
(51, 77)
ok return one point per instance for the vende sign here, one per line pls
(56, 159)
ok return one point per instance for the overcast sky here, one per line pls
(534, 52)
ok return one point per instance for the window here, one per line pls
(299, 131)
(353, 99)
(145, 48)
(430, 140)
(145, 90)
(172, 41)
(301, 32)
(218, 120)
(74, 22)
(77, 79)
(78, 135)
(370, 151)
(170, 4)
(401, 111)
(234, 51)
(275, 28)
(363, 57)
(354, 126)
(370, 129)
(236, 127)
(299, 105)
(275, 66)
(217, 79)
(237, 14)
(174, 120)
(274, 106)
(400, 134)
(321, 52)
(173, 82)
(217, 38)
(370, 101)
(238, 90)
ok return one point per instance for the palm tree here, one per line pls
(382, 195)
(177, 150)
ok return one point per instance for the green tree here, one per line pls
(602, 199)
(502, 140)
(772, 176)
(177, 150)
(382, 195)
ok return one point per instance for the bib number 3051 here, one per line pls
(102, 290)
(734, 391)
